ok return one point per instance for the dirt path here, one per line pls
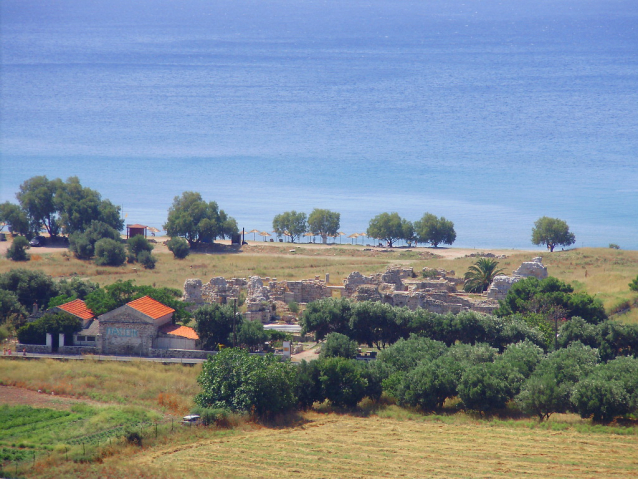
(13, 396)
(259, 248)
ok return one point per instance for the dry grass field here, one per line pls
(169, 388)
(603, 272)
(378, 440)
(337, 446)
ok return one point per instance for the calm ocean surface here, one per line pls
(489, 113)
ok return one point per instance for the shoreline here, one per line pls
(449, 252)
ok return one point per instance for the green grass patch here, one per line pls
(24, 428)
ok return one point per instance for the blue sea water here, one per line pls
(490, 113)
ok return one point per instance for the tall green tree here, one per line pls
(78, 207)
(15, 218)
(10, 307)
(328, 315)
(250, 334)
(552, 232)
(233, 379)
(324, 223)
(37, 197)
(480, 275)
(546, 296)
(433, 230)
(291, 224)
(29, 286)
(103, 300)
(387, 227)
(339, 345)
(214, 325)
(192, 218)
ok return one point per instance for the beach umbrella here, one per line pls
(340, 234)
(254, 232)
(309, 234)
(152, 229)
(264, 234)
(353, 236)
(362, 235)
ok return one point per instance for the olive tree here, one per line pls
(291, 224)
(433, 230)
(324, 223)
(552, 232)
(192, 218)
(386, 226)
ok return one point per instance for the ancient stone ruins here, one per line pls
(437, 291)
(502, 284)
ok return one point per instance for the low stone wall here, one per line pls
(180, 353)
(76, 350)
(33, 348)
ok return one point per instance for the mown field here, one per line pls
(330, 445)
(84, 439)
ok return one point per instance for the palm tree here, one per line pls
(480, 275)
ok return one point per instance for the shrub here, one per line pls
(35, 332)
(18, 249)
(147, 260)
(293, 306)
(137, 244)
(32, 333)
(236, 380)
(339, 345)
(109, 252)
(308, 386)
(430, 384)
(83, 244)
(614, 246)
(523, 357)
(543, 396)
(134, 437)
(610, 391)
(212, 416)
(488, 386)
(179, 247)
(634, 284)
(601, 399)
(341, 382)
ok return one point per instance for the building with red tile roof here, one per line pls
(150, 307)
(179, 331)
(77, 308)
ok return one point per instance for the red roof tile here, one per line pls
(136, 226)
(150, 307)
(181, 331)
(77, 308)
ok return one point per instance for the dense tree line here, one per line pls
(424, 373)
(390, 227)
(57, 206)
(20, 289)
(378, 324)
